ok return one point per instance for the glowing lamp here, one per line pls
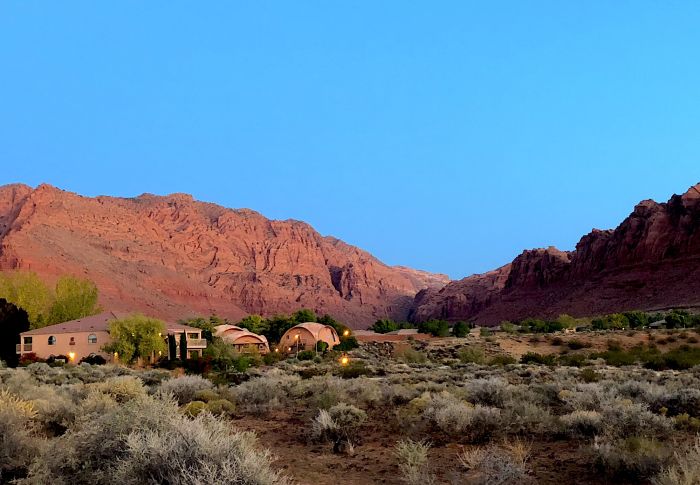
(346, 333)
(71, 355)
(344, 360)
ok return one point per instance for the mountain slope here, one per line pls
(650, 261)
(173, 257)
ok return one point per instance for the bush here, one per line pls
(582, 423)
(206, 395)
(184, 388)
(354, 369)
(193, 408)
(633, 458)
(19, 441)
(147, 440)
(589, 375)
(411, 356)
(502, 359)
(576, 344)
(535, 358)
(685, 470)
(221, 407)
(460, 329)
(264, 394)
(306, 355)
(457, 418)
(414, 464)
(347, 344)
(471, 355)
(497, 465)
(339, 424)
(122, 388)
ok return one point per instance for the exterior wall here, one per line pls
(307, 341)
(65, 344)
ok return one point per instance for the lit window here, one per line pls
(52, 340)
(92, 338)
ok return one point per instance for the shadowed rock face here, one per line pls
(651, 261)
(174, 257)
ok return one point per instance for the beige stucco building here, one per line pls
(243, 340)
(84, 337)
(305, 336)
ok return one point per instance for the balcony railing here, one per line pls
(194, 343)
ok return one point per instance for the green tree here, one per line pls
(13, 321)
(437, 328)
(136, 337)
(329, 320)
(27, 291)
(277, 325)
(460, 329)
(304, 315)
(384, 325)
(207, 326)
(74, 298)
(255, 323)
(183, 346)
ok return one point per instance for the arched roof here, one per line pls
(234, 332)
(314, 329)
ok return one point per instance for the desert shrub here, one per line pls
(502, 359)
(687, 423)
(526, 418)
(193, 408)
(206, 395)
(184, 388)
(414, 464)
(221, 407)
(411, 356)
(354, 369)
(576, 344)
(471, 355)
(685, 400)
(627, 418)
(633, 457)
(272, 358)
(458, 418)
(19, 441)
(305, 355)
(582, 423)
(557, 341)
(535, 358)
(460, 329)
(589, 375)
(146, 440)
(264, 394)
(346, 344)
(496, 465)
(685, 470)
(122, 388)
(490, 392)
(339, 424)
(572, 360)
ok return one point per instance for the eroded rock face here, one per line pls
(651, 261)
(175, 257)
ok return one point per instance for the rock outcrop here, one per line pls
(650, 262)
(174, 257)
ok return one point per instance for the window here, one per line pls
(52, 340)
(92, 338)
(192, 335)
(72, 341)
(27, 344)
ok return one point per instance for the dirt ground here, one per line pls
(373, 461)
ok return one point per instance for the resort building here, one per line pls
(243, 340)
(85, 337)
(305, 336)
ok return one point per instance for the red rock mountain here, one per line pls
(175, 257)
(650, 262)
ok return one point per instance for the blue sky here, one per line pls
(447, 136)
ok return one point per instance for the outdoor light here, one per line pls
(289, 349)
(296, 337)
(346, 333)
(276, 349)
(344, 360)
(71, 355)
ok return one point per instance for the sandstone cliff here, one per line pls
(174, 257)
(651, 261)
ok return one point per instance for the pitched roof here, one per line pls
(97, 323)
